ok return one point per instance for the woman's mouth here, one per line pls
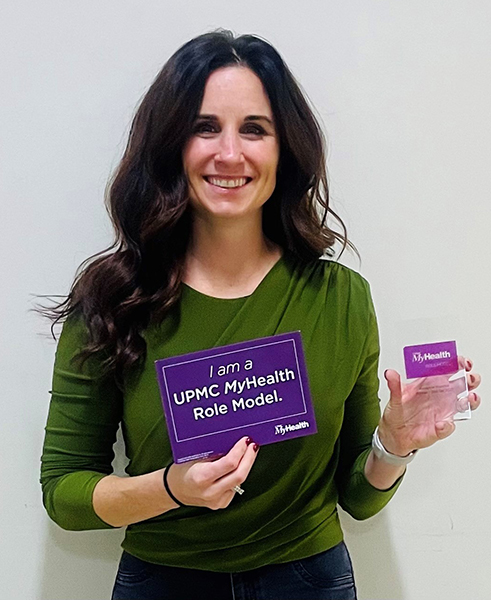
(229, 182)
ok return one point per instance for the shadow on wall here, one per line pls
(79, 565)
(82, 565)
(377, 571)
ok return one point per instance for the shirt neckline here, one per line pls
(271, 271)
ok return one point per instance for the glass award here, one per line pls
(440, 383)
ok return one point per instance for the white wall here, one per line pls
(404, 91)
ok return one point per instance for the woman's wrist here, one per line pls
(384, 467)
(165, 479)
(381, 474)
(121, 501)
(382, 453)
(390, 442)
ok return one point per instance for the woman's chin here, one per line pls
(227, 212)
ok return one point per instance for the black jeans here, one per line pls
(324, 576)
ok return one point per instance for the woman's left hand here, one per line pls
(408, 423)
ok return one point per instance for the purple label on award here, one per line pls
(257, 388)
(427, 360)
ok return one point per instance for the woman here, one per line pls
(216, 208)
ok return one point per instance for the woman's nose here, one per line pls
(230, 148)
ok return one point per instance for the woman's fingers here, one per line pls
(399, 393)
(210, 484)
(394, 384)
(444, 429)
(228, 463)
(222, 491)
(232, 470)
(465, 363)
(473, 380)
(474, 400)
(240, 474)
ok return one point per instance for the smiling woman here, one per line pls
(220, 206)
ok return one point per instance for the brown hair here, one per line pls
(137, 279)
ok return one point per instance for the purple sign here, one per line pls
(257, 388)
(427, 360)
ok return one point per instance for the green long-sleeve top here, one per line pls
(289, 509)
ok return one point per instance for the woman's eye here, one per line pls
(254, 130)
(207, 128)
(204, 128)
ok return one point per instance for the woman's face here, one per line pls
(232, 156)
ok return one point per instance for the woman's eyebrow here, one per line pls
(248, 118)
(259, 118)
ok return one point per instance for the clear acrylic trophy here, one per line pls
(439, 382)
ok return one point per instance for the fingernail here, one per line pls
(385, 373)
(255, 447)
(468, 364)
(249, 441)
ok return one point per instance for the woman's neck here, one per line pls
(229, 260)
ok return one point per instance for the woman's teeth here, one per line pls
(227, 183)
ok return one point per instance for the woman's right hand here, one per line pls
(211, 483)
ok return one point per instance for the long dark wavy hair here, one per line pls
(135, 281)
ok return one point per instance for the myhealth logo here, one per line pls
(419, 357)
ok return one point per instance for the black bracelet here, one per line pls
(167, 488)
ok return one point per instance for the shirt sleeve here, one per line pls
(83, 419)
(362, 414)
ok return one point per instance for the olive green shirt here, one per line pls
(288, 511)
